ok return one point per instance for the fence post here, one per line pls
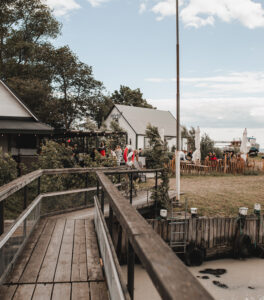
(156, 189)
(25, 197)
(97, 189)
(86, 186)
(130, 270)
(1, 217)
(102, 201)
(110, 221)
(131, 188)
(39, 183)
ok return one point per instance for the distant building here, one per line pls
(20, 129)
(135, 120)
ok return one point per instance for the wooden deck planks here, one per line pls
(48, 268)
(79, 263)
(93, 259)
(63, 271)
(98, 291)
(61, 291)
(26, 254)
(7, 292)
(31, 271)
(60, 261)
(24, 292)
(43, 292)
(80, 291)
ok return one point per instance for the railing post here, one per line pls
(1, 217)
(102, 201)
(97, 189)
(25, 197)
(130, 270)
(39, 184)
(110, 221)
(131, 188)
(86, 186)
(156, 189)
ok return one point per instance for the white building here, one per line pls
(20, 130)
(135, 120)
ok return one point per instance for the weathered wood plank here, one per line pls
(92, 253)
(31, 271)
(206, 232)
(26, 254)
(24, 292)
(61, 291)
(80, 291)
(63, 271)
(79, 264)
(42, 292)
(215, 220)
(48, 267)
(7, 292)
(98, 291)
(211, 233)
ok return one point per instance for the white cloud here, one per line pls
(142, 8)
(62, 7)
(235, 82)
(96, 3)
(197, 13)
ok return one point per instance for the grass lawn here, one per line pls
(221, 195)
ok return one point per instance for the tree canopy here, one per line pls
(59, 88)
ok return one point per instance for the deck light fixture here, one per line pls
(257, 208)
(243, 211)
(194, 212)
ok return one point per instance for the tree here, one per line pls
(207, 145)
(160, 157)
(190, 136)
(26, 27)
(74, 86)
(127, 96)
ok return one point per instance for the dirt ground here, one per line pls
(222, 195)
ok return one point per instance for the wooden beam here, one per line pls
(171, 277)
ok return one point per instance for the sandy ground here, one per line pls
(222, 195)
(244, 278)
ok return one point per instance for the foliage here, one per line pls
(190, 136)
(159, 159)
(127, 96)
(117, 138)
(8, 168)
(207, 145)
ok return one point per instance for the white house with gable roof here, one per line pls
(135, 120)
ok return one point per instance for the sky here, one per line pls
(133, 43)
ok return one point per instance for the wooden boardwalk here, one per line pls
(60, 261)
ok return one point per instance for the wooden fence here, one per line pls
(213, 234)
(231, 166)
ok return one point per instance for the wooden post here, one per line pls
(39, 185)
(102, 201)
(131, 188)
(156, 189)
(1, 217)
(110, 221)
(25, 197)
(130, 270)
(86, 185)
(97, 189)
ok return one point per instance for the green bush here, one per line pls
(8, 168)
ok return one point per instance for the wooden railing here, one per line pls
(169, 275)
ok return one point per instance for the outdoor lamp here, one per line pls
(257, 208)
(163, 213)
(243, 211)
(194, 212)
